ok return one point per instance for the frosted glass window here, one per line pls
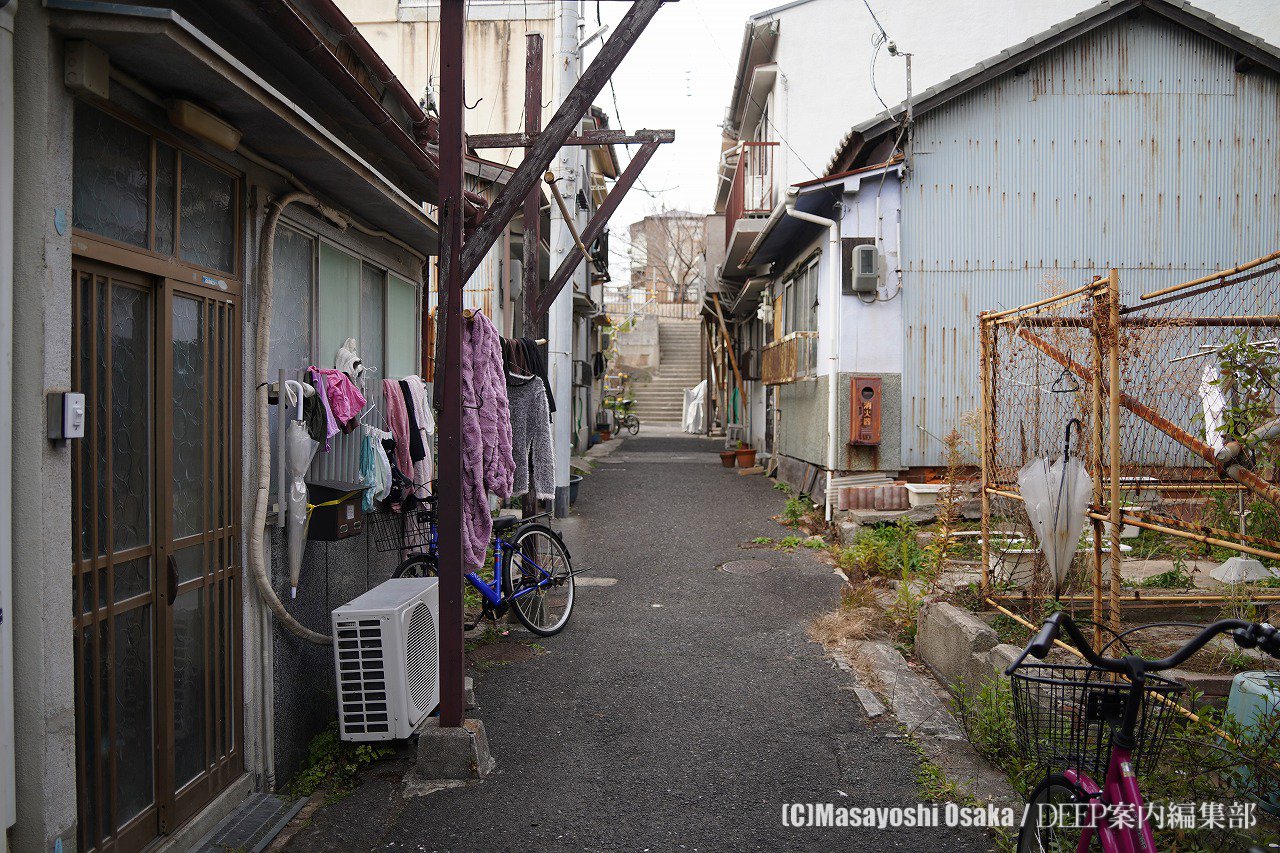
(291, 301)
(111, 165)
(373, 304)
(339, 302)
(402, 328)
(207, 235)
(166, 198)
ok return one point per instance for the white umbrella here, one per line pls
(299, 449)
(1056, 494)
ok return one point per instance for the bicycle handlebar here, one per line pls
(1247, 635)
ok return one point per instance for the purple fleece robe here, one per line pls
(487, 464)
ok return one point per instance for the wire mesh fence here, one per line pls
(1183, 451)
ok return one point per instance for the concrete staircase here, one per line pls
(660, 400)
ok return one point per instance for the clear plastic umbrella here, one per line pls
(299, 449)
(1057, 493)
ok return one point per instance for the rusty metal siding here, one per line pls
(1137, 146)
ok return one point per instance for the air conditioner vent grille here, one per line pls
(361, 681)
(421, 658)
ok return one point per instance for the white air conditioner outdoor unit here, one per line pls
(386, 654)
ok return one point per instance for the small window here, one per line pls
(130, 187)
(402, 326)
(340, 282)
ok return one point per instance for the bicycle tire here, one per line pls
(417, 566)
(633, 425)
(540, 611)
(1033, 837)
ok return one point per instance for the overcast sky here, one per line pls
(677, 76)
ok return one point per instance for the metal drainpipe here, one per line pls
(833, 358)
(8, 781)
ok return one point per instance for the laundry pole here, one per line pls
(567, 168)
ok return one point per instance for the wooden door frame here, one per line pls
(170, 809)
(197, 793)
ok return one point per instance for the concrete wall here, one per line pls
(42, 632)
(638, 348)
(802, 427)
(305, 695)
(406, 35)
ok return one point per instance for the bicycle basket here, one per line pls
(1066, 714)
(394, 532)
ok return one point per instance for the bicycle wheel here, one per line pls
(417, 566)
(538, 582)
(633, 425)
(1055, 818)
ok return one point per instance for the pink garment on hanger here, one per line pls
(398, 422)
(345, 398)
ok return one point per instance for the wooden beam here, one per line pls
(596, 226)
(733, 361)
(533, 201)
(562, 125)
(586, 138)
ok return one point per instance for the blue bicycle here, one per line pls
(532, 572)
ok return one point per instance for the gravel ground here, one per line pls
(681, 707)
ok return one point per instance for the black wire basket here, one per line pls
(400, 531)
(1066, 715)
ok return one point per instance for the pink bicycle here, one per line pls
(1106, 720)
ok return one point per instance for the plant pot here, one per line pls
(728, 458)
(746, 457)
(574, 482)
(605, 435)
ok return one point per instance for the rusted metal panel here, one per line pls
(1137, 146)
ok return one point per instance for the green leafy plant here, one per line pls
(788, 543)
(782, 487)
(762, 540)
(795, 510)
(334, 765)
(814, 544)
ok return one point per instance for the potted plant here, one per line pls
(746, 455)
(605, 434)
(728, 458)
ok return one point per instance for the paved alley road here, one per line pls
(681, 707)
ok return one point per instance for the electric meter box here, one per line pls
(861, 263)
(864, 411)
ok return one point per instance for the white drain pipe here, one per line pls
(833, 354)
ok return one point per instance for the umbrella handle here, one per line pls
(298, 387)
(1066, 448)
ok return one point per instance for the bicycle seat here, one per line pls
(504, 522)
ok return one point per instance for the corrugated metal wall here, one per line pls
(1137, 146)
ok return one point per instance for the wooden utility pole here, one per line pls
(460, 257)
(453, 18)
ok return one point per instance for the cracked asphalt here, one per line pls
(680, 709)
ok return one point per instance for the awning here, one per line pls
(164, 50)
(784, 232)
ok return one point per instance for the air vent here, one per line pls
(386, 659)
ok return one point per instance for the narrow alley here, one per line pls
(681, 708)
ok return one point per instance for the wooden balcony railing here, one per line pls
(794, 357)
(751, 193)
